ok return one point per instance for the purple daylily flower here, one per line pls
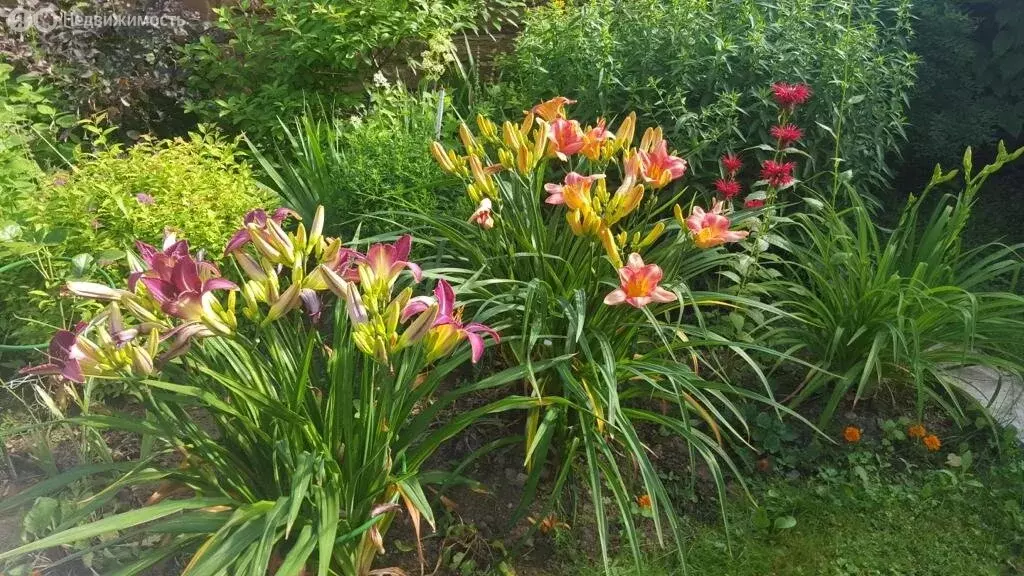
(182, 294)
(387, 260)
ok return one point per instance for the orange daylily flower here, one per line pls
(552, 109)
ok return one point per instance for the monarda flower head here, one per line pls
(789, 96)
(728, 188)
(787, 134)
(732, 164)
(777, 174)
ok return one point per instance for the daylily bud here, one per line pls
(442, 158)
(609, 247)
(142, 362)
(527, 124)
(418, 328)
(650, 139)
(95, 291)
(624, 135)
(506, 158)
(316, 228)
(288, 300)
(651, 237)
(334, 282)
(488, 129)
(250, 266)
(468, 141)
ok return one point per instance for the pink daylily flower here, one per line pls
(566, 138)
(639, 285)
(711, 229)
(594, 139)
(448, 329)
(658, 167)
(386, 261)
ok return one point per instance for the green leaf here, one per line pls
(785, 522)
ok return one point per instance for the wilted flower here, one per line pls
(917, 431)
(644, 501)
(790, 96)
(638, 285)
(728, 188)
(710, 229)
(66, 358)
(483, 217)
(932, 443)
(732, 164)
(565, 138)
(778, 174)
(787, 134)
(658, 167)
(448, 329)
(851, 434)
(256, 222)
(552, 109)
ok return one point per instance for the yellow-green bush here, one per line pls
(198, 186)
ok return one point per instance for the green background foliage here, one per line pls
(702, 70)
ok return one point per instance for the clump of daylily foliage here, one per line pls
(321, 430)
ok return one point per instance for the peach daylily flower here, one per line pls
(575, 192)
(483, 217)
(659, 167)
(566, 138)
(639, 285)
(593, 140)
(711, 229)
(552, 109)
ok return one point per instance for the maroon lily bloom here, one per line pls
(65, 358)
(182, 295)
(256, 219)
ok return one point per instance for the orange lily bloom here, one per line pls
(639, 285)
(565, 138)
(711, 229)
(552, 109)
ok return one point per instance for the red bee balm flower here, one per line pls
(790, 96)
(639, 285)
(787, 134)
(728, 188)
(753, 204)
(732, 163)
(778, 174)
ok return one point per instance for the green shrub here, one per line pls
(197, 186)
(79, 225)
(366, 164)
(282, 55)
(689, 66)
(899, 310)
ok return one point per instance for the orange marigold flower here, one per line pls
(644, 501)
(917, 431)
(851, 434)
(932, 443)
